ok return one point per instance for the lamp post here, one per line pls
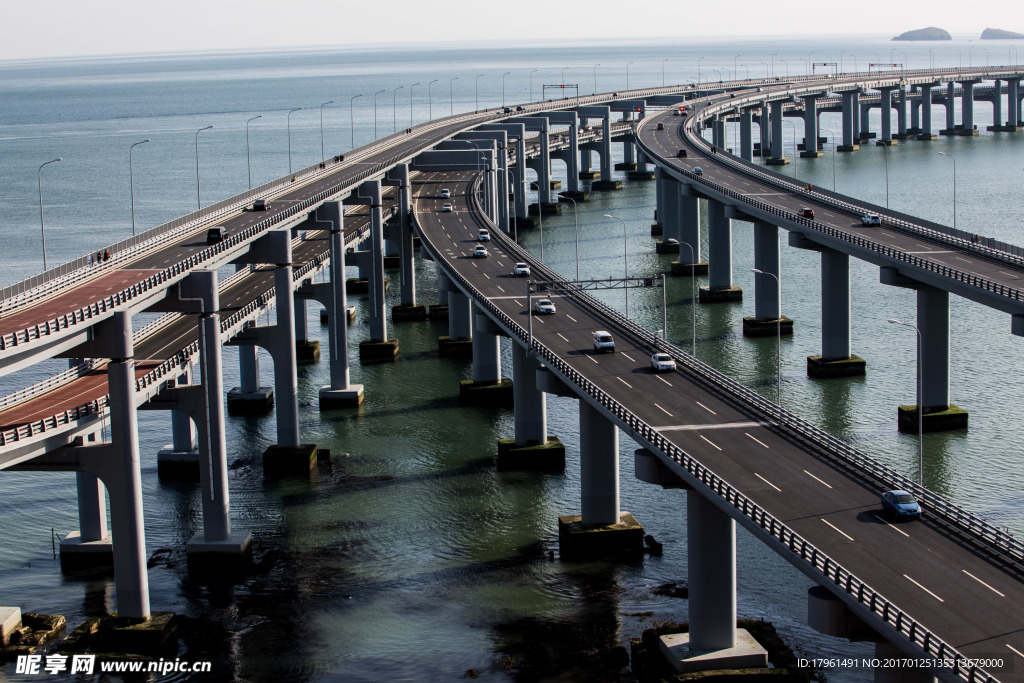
(832, 137)
(595, 78)
(778, 330)
(809, 62)
(625, 258)
(430, 101)
(883, 144)
(289, 117)
(394, 109)
(199, 201)
(774, 55)
(954, 185)
(531, 83)
(507, 73)
(410, 102)
(476, 91)
(352, 119)
(627, 74)
(322, 155)
(42, 230)
(375, 112)
(960, 58)
(693, 300)
(663, 71)
(765, 65)
(698, 68)
(793, 126)
(576, 221)
(131, 181)
(735, 73)
(920, 409)
(451, 95)
(248, 157)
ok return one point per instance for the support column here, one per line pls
(765, 129)
(901, 114)
(720, 287)
(810, 127)
(601, 529)
(1013, 120)
(250, 398)
(532, 448)
(766, 321)
(306, 350)
(850, 108)
(180, 458)
(689, 235)
(340, 393)
(777, 158)
(997, 107)
(746, 135)
(915, 111)
(606, 182)
(407, 308)
(950, 128)
(926, 112)
(658, 226)
(967, 109)
(88, 548)
(487, 388)
(885, 104)
(458, 343)
(836, 359)
(379, 347)
(668, 214)
(711, 573)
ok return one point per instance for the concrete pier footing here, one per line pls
(402, 313)
(486, 394)
(714, 295)
(10, 621)
(177, 465)
(536, 457)
(288, 461)
(752, 327)
(307, 351)
(77, 555)
(454, 348)
(665, 247)
(747, 653)
(624, 539)
(437, 311)
(232, 555)
(257, 402)
(819, 368)
(680, 269)
(949, 419)
(606, 185)
(341, 398)
(378, 351)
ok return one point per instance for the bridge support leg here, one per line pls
(689, 236)
(836, 359)
(439, 309)
(250, 398)
(487, 388)
(901, 114)
(767, 307)
(606, 182)
(915, 112)
(926, 113)
(997, 106)
(746, 135)
(180, 458)
(668, 215)
(89, 547)
(408, 309)
(950, 128)
(379, 347)
(885, 109)
(777, 158)
(658, 226)
(967, 109)
(602, 529)
(720, 287)
(765, 130)
(810, 150)
(1013, 104)
(340, 393)
(460, 334)
(532, 448)
(306, 350)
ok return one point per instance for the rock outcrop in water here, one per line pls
(1000, 34)
(930, 33)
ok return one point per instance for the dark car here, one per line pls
(260, 205)
(806, 213)
(681, 153)
(900, 505)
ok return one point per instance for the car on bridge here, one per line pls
(544, 307)
(446, 208)
(662, 362)
(900, 505)
(215, 234)
(681, 153)
(260, 205)
(480, 251)
(603, 341)
(521, 270)
(697, 170)
(445, 193)
(805, 213)
(483, 235)
(871, 219)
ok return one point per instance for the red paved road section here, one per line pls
(68, 396)
(81, 296)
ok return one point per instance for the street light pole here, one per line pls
(698, 68)
(375, 112)
(735, 74)
(476, 91)
(832, 137)
(774, 54)
(289, 117)
(451, 95)
(131, 180)
(42, 230)
(595, 78)
(352, 120)
(627, 74)
(693, 300)
(663, 71)
(576, 221)
(507, 73)
(920, 408)
(322, 156)
(430, 101)
(199, 200)
(625, 258)
(394, 109)
(248, 157)
(778, 330)
(410, 102)
(531, 83)
(883, 144)
(945, 154)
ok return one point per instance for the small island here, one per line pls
(930, 33)
(1000, 34)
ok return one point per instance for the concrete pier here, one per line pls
(720, 287)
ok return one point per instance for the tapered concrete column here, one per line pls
(641, 163)
(933, 321)
(459, 315)
(92, 509)
(766, 259)
(997, 104)
(765, 129)
(689, 221)
(950, 107)
(378, 322)
(718, 133)
(849, 106)
(711, 574)
(544, 167)
(405, 245)
(856, 113)
(340, 392)
(669, 213)
(746, 135)
(926, 109)
(776, 119)
(915, 110)
(585, 161)
(719, 245)
(835, 305)
(1012, 103)
(530, 403)
(301, 327)
(885, 106)
(183, 436)
(901, 113)
(444, 285)
(811, 125)
(486, 349)
(659, 198)
(248, 368)
(967, 105)
(606, 148)
(599, 467)
(286, 381)
(519, 178)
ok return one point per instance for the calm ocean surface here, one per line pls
(412, 559)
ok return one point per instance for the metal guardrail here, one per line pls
(831, 570)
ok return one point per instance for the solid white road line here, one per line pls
(1002, 595)
(923, 588)
(756, 439)
(767, 482)
(840, 531)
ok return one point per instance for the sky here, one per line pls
(57, 28)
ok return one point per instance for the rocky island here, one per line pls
(1000, 34)
(930, 33)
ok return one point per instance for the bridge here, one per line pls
(705, 438)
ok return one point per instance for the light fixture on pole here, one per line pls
(595, 78)
(322, 157)
(735, 72)
(885, 144)
(778, 329)
(920, 396)
(663, 71)
(774, 54)
(131, 179)
(352, 120)
(42, 229)
(248, 157)
(698, 68)
(199, 200)
(832, 137)
(289, 117)
(531, 83)
(394, 109)
(945, 154)
(625, 258)
(430, 101)
(410, 102)
(576, 222)
(375, 112)
(451, 95)
(627, 76)
(507, 73)
(476, 91)
(693, 299)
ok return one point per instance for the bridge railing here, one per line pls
(830, 570)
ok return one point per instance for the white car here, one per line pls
(603, 341)
(662, 362)
(871, 219)
(521, 270)
(483, 235)
(480, 251)
(544, 307)
(447, 208)
(446, 193)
